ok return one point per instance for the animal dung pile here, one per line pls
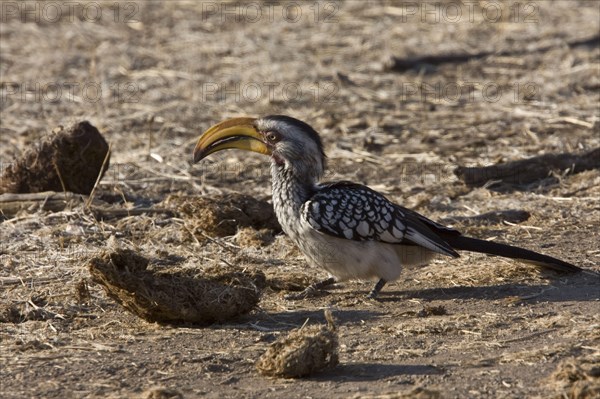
(577, 378)
(176, 296)
(288, 280)
(161, 393)
(222, 215)
(248, 237)
(67, 160)
(303, 352)
(22, 312)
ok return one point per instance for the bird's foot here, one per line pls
(375, 291)
(372, 296)
(312, 290)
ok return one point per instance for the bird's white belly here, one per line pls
(348, 259)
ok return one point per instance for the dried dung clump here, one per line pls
(577, 379)
(67, 160)
(289, 280)
(179, 295)
(161, 393)
(222, 215)
(432, 311)
(302, 352)
(10, 314)
(248, 237)
(22, 311)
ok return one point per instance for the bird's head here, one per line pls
(292, 144)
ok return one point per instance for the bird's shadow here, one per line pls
(533, 293)
(283, 321)
(581, 288)
(353, 372)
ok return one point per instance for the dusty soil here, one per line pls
(151, 76)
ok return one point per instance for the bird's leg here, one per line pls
(375, 291)
(312, 289)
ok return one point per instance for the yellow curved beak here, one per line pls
(237, 133)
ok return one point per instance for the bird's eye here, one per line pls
(273, 137)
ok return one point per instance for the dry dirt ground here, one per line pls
(151, 76)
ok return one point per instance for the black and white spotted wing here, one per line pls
(355, 212)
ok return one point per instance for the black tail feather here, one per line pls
(508, 251)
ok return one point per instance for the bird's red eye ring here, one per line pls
(273, 137)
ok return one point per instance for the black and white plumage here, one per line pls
(355, 212)
(348, 229)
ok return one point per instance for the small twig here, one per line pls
(98, 178)
(105, 213)
(227, 263)
(522, 226)
(192, 234)
(62, 183)
(506, 341)
(305, 323)
(218, 243)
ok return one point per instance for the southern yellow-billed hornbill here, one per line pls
(348, 229)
